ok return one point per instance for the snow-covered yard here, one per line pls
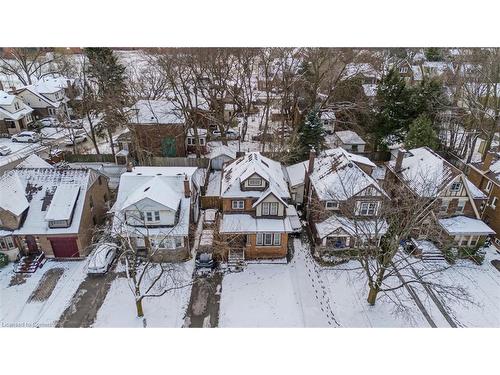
(169, 310)
(303, 294)
(19, 308)
(19, 150)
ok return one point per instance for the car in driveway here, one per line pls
(48, 122)
(230, 134)
(204, 262)
(27, 136)
(5, 150)
(78, 138)
(101, 259)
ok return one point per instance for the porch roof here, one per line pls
(243, 223)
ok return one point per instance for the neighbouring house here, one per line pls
(157, 129)
(155, 207)
(192, 144)
(349, 140)
(296, 178)
(221, 155)
(256, 214)
(486, 176)
(450, 199)
(33, 161)
(46, 97)
(343, 200)
(51, 210)
(15, 116)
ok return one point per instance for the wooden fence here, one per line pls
(158, 161)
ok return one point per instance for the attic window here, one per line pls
(456, 186)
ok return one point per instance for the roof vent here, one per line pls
(149, 187)
(158, 174)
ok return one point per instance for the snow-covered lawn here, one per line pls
(19, 150)
(15, 310)
(169, 310)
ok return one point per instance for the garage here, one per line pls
(64, 247)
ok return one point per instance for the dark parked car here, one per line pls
(204, 262)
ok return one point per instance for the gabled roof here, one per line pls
(12, 196)
(246, 166)
(348, 137)
(158, 191)
(296, 173)
(34, 161)
(222, 150)
(425, 172)
(268, 192)
(336, 176)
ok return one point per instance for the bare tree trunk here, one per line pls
(138, 305)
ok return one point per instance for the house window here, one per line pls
(202, 141)
(157, 215)
(494, 203)
(255, 181)
(332, 205)
(16, 106)
(51, 111)
(238, 205)
(444, 206)
(190, 141)
(489, 186)
(464, 242)
(149, 216)
(268, 239)
(270, 208)
(460, 207)
(368, 208)
(6, 243)
(456, 186)
(473, 241)
(354, 148)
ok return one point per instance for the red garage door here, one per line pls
(64, 247)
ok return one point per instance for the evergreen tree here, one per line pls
(433, 54)
(109, 76)
(428, 98)
(394, 108)
(311, 135)
(421, 133)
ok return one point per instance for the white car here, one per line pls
(230, 133)
(5, 150)
(101, 259)
(78, 138)
(30, 137)
(48, 122)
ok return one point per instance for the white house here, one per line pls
(15, 116)
(47, 98)
(220, 156)
(155, 207)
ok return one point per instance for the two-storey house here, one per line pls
(343, 200)
(15, 116)
(256, 214)
(46, 97)
(449, 199)
(49, 210)
(155, 208)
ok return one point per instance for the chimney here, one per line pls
(312, 158)
(187, 190)
(488, 160)
(130, 166)
(399, 160)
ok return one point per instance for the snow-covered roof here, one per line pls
(463, 225)
(475, 192)
(222, 150)
(353, 69)
(34, 161)
(158, 191)
(166, 186)
(348, 137)
(12, 196)
(269, 191)
(425, 172)
(40, 186)
(50, 85)
(246, 166)
(63, 202)
(155, 112)
(243, 223)
(354, 227)
(370, 89)
(6, 98)
(296, 173)
(201, 132)
(336, 176)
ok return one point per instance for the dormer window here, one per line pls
(332, 205)
(255, 181)
(152, 216)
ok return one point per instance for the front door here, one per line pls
(32, 245)
(168, 147)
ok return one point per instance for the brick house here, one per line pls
(157, 129)
(486, 176)
(451, 199)
(51, 210)
(343, 200)
(256, 215)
